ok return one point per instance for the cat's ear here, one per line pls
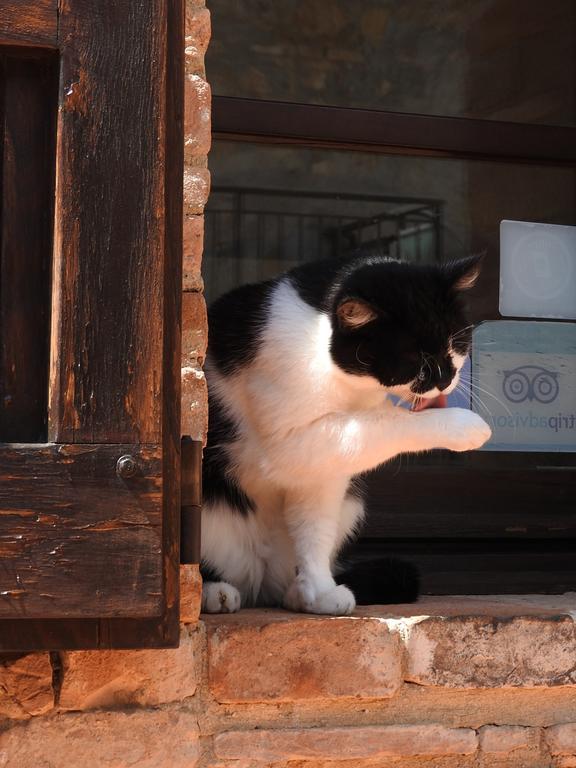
(463, 274)
(354, 313)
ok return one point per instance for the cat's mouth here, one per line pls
(421, 403)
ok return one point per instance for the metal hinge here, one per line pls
(191, 500)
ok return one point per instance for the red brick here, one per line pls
(194, 329)
(147, 739)
(26, 686)
(190, 593)
(561, 739)
(368, 743)
(94, 679)
(197, 132)
(196, 189)
(194, 420)
(503, 739)
(193, 244)
(276, 656)
(197, 35)
(194, 397)
(491, 652)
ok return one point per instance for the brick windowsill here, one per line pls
(458, 642)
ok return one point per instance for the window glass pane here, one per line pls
(272, 207)
(507, 508)
(498, 59)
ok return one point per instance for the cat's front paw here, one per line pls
(465, 430)
(302, 597)
(336, 602)
(220, 597)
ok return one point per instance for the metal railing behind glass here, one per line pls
(255, 234)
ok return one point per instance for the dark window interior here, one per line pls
(28, 97)
(412, 132)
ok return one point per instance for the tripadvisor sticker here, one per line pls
(524, 384)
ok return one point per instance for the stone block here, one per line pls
(98, 679)
(197, 132)
(196, 189)
(193, 244)
(503, 739)
(363, 743)
(147, 739)
(25, 685)
(482, 652)
(561, 739)
(277, 656)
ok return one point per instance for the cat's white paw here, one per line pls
(465, 430)
(302, 597)
(336, 602)
(220, 597)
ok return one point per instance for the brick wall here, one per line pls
(196, 190)
(451, 683)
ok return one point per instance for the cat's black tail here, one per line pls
(381, 581)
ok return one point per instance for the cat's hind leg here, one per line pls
(218, 596)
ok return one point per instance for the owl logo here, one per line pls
(530, 382)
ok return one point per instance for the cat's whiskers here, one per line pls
(461, 332)
(416, 402)
(481, 405)
(475, 400)
(366, 365)
(476, 386)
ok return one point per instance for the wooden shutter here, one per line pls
(90, 286)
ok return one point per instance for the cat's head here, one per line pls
(404, 325)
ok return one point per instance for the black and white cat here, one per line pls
(299, 371)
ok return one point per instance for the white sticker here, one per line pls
(537, 270)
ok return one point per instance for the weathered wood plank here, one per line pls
(29, 87)
(110, 262)
(75, 538)
(126, 633)
(29, 22)
(86, 634)
(48, 634)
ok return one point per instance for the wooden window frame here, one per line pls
(393, 133)
(365, 130)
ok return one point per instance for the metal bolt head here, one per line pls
(126, 467)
